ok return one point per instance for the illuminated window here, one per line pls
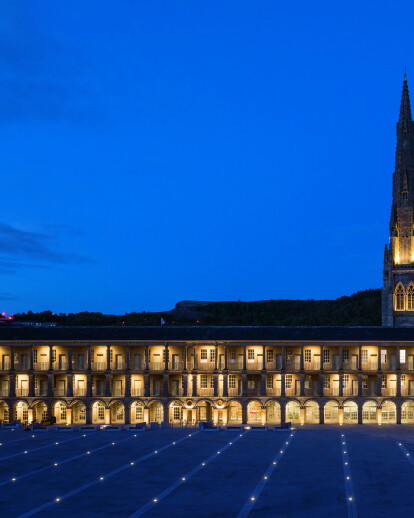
(399, 298)
(62, 412)
(402, 356)
(232, 354)
(384, 381)
(53, 355)
(308, 355)
(203, 354)
(410, 298)
(288, 381)
(308, 382)
(326, 381)
(139, 413)
(364, 356)
(326, 356)
(35, 355)
(177, 412)
(269, 381)
(232, 381)
(211, 381)
(364, 382)
(345, 381)
(212, 355)
(111, 355)
(250, 354)
(345, 355)
(203, 380)
(269, 355)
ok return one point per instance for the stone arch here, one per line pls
(407, 412)
(59, 411)
(388, 412)
(78, 412)
(21, 411)
(156, 411)
(98, 412)
(40, 411)
(175, 411)
(204, 409)
(255, 412)
(117, 412)
(331, 412)
(273, 412)
(369, 412)
(312, 412)
(399, 297)
(350, 412)
(4, 412)
(234, 412)
(410, 297)
(292, 411)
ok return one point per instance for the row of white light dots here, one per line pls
(131, 463)
(203, 464)
(274, 463)
(405, 451)
(14, 479)
(347, 470)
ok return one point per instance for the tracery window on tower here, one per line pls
(399, 296)
(410, 297)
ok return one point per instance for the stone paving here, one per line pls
(180, 473)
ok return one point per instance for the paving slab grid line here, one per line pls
(62, 462)
(88, 485)
(183, 479)
(248, 506)
(349, 488)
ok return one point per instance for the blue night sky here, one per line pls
(155, 151)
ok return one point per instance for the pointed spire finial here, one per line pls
(405, 73)
(405, 108)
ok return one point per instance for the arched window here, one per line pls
(399, 298)
(410, 298)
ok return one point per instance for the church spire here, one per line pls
(405, 108)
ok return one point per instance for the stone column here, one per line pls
(69, 358)
(244, 357)
(302, 359)
(107, 385)
(127, 385)
(215, 381)
(244, 412)
(244, 385)
(398, 408)
(215, 357)
(341, 385)
(11, 358)
(31, 385)
(302, 385)
(379, 416)
(360, 412)
(225, 357)
(379, 357)
(341, 416)
(49, 385)
(283, 358)
(264, 358)
(108, 357)
(127, 416)
(321, 376)
(68, 416)
(31, 358)
(398, 363)
(360, 358)
(302, 416)
(185, 385)
(379, 383)
(359, 385)
(340, 358)
(166, 357)
(194, 385)
(165, 391)
(146, 385)
(89, 358)
(195, 357)
(69, 385)
(263, 385)
(12, 387)
(29, 415)
(321, 353)
(127, 357)
(88, 415)
(282, 413)
(398, 384)
(225, 385)
(282, 385)
(89, 385)
(321, 415)
(185, 358)
(50, 357)
(146, 358)
(107, 416)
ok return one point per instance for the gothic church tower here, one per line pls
(398, 276)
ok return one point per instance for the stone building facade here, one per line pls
(182, 376)
(398, 274)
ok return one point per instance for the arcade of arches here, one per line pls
(181, 413)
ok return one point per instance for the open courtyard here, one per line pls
(311, 471)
